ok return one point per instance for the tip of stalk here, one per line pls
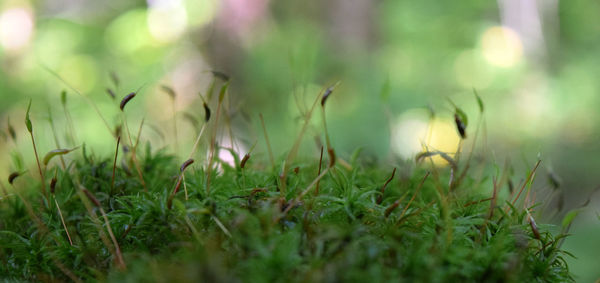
(168, 90)
(185, 165)
(328, 92)
(111, 93)
(27, 119)
(63, 97)
(13, 176)
(53, 185)
(126, 99)
(114, 78)
(244, 160)
(332, 157)
(220, 75)
(460, 126)
(206, 112)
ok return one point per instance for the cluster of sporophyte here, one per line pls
(142, 215)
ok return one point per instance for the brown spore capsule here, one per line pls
(244, 160)
(126, 99)
(460, 126)
(185, 165)
(13, 176)
(206, 112)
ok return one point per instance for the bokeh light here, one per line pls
(501, 46)
(409, 133)
(16, 28)
(167, 20)
(415, 132)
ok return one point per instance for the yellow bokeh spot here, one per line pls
(414, 133)
(443, 137)
(166, 23)
(501, 46)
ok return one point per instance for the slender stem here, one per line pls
(327, 140)
(37, 159)
(493, 199)
(175, 126)
(294, 151)
(416, 193)
(212, 148)
(228, 124)
(133, 153)
(192, 228)
(112, 182)
(299, 197)
(468, 163)
(197, 142)
(319, 172)
(139, 133)
(93, 216)
(62, 160)
(83, 194)
(120, 260)
(63, 221)
(184, 185)
(394, 205)
(531, 174)
(221, 226)
(71, 127)
(262, 121)
(380, 198)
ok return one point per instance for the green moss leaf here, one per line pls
(479, 101)
(568, 219)
(223, 91)
(28, 120)
(63, 97)
(56, 152)
(462, 115)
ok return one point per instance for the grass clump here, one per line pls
(312, 220)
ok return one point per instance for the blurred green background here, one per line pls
(534, 63)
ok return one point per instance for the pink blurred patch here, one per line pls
(240, 16)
